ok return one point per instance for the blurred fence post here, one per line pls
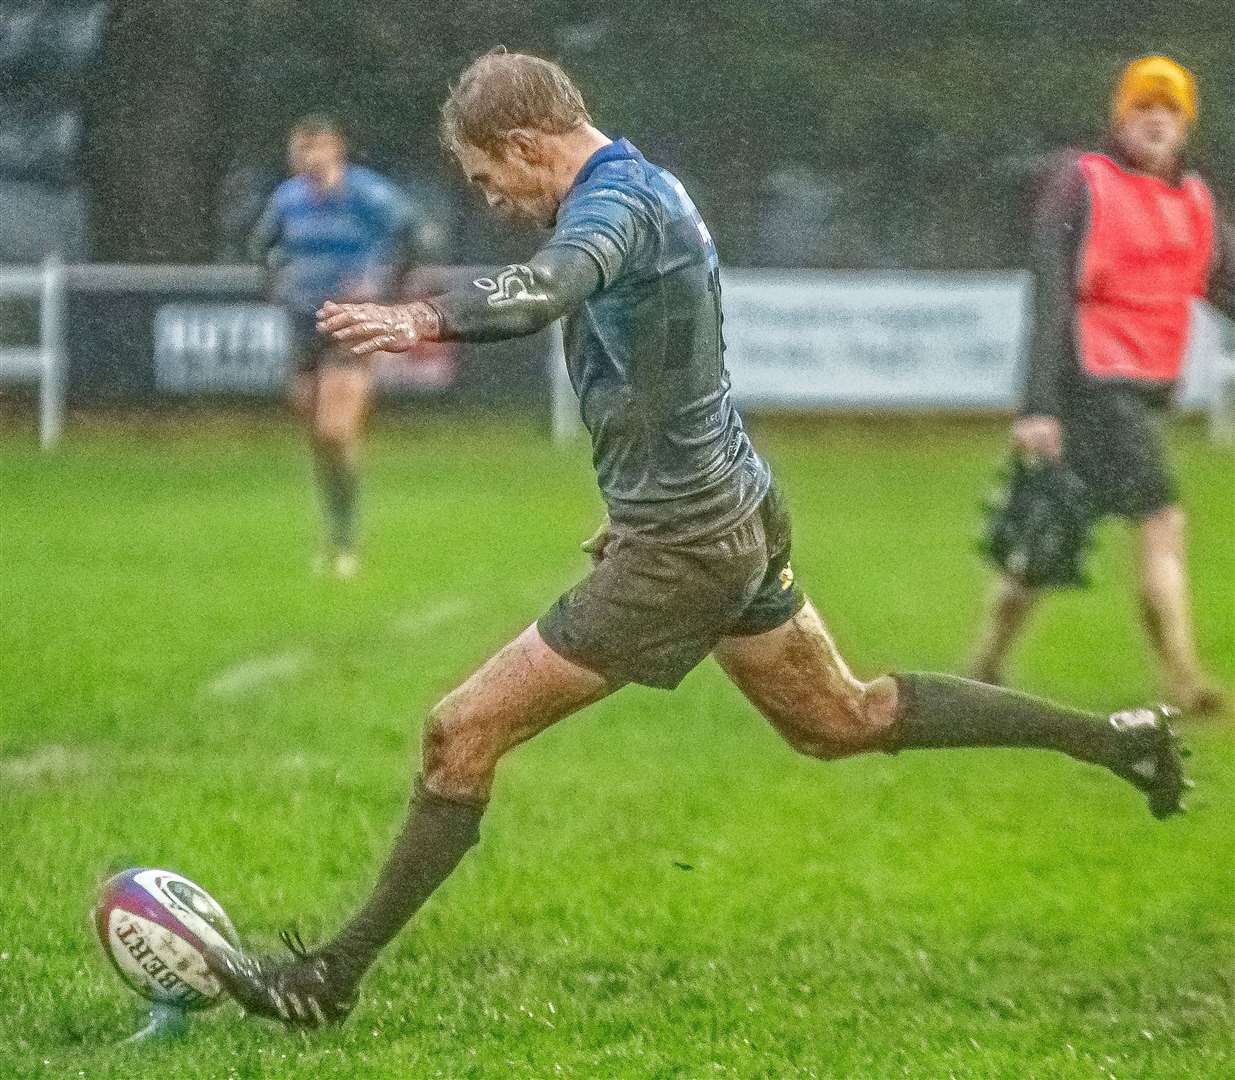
(51, 333)
(1222, 401)
(45, 363)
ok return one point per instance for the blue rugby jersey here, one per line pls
(339, 244)
(646, 355)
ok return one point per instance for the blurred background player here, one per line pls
(1124, 241)
(332, 228)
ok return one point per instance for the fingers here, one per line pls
(1049, 443)
(595, 544)
(1039, 436)
(332, 316)
(332, 313)
(359, 331)
(365, 328)
(342, 316)
(377, 344)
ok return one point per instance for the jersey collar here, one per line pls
(618, 150)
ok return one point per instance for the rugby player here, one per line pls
(333, 229)
(695, 559)
(1124, 241)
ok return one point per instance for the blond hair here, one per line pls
(501, 91)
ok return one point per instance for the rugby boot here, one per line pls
(303, 990)
(1146, 752)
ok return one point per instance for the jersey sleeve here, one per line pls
(1221, 291)
(265, 234)
(518, 299)
(610, 225)
(1060, 219)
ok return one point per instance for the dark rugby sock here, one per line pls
(942, 710)
(437, 834)
(337, 481)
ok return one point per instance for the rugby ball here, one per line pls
(154, 926)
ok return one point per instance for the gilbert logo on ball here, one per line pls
(155, 926)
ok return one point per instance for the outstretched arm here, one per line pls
(512, 302)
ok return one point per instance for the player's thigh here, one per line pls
(1161, 534)
(344, 391)
(796, 677)
(302, 394)
(521, 690)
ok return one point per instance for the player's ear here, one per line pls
(525, 144)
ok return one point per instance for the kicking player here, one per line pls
(332, 230)
(696, 557)
(1125, 240)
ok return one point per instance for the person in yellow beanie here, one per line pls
(1123, 242)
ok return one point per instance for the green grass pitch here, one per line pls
(663, 888)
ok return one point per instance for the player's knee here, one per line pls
(854, 721)
(441, 739)
(1171, 518)
(879, 702)
(332, 435)
(1162, 555)
(1164, 532)
(456, 754)
(1012, 592)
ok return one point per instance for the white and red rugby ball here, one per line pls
(155, 926)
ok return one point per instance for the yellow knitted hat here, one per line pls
(1155, 78)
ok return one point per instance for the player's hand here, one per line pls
(595, 544)
(1039, 436)
(369, 328)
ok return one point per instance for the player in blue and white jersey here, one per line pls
(695, 560)
(332, 229)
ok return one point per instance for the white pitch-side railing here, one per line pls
(47, 362)
(49, 283)
(1222, 401)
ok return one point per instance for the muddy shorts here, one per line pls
(649, 612)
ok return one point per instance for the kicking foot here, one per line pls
(301, 990)
(1147, 754)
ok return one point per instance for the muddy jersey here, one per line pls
(646, 355)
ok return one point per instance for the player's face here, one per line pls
(318, 155)
(515, 182)
(1153, 133)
